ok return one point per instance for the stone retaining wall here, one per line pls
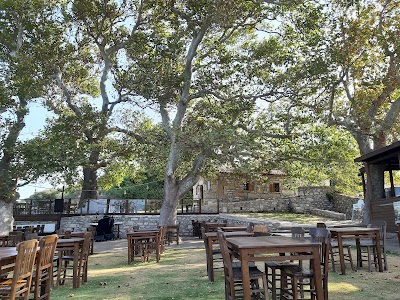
(81, 223)
(307, 198)
(344, 203)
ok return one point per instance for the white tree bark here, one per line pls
(6, 217)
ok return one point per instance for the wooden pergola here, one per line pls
(382, 160)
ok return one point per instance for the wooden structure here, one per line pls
(382, 160)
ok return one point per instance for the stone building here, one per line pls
(220, 194)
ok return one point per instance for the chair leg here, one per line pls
(332, 259)
(351, 259)
(369, 259)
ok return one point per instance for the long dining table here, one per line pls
(356, 233)
(212, 239)
(253, 249)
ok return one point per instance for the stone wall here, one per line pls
(81, 223)
(344, 204)
(307, 198)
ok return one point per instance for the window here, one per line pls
(248, 186)
(274, 187)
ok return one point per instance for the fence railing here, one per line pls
(99, 206)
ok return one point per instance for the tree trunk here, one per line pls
(375, 188)
(89, 185)
(6, 217)
(170, 202)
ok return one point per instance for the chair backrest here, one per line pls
(227, 262)
(382, 225)
(31, 236)
(321, 225)
(86, 244)
(260, 228)
(359, 205)
(67, 234)
(15, 237)
(297, 232)
(250, 227)
(322, 236)
(23, 268)
(47, 247)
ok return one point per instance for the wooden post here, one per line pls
(108, 206)
(126, 206)
(182, 205)
(50, 212)
(392, 192)
(30, 207)
(69, 206)
(88, 206)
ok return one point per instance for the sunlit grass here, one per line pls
(181, 274)
(343, 288)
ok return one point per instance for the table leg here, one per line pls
(341, 254)
(246, 276)
(316, 263)
(210, 263)
(358, 249)
(129, 250)
(378, 250)
(75, 274)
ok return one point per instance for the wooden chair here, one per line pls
(18, 287)
(272, 267)
(153, 244)
(233, 276)
(260, 230)
(172, 234)
(214, 257)
(43, 275)
(366, 246)
(67, 234)
(31, 236)
(302, 279)
(82, 263)
(15, 237)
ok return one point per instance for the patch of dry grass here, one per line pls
(181, 274)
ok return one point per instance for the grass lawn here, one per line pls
(181, 274)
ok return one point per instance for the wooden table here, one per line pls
(356, 233)
(136, 240)
(72, 244)
(8, 255)
(233, 228)
(251, 249)
(81, 234)
(212, 239)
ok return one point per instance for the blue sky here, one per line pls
(34, 122)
